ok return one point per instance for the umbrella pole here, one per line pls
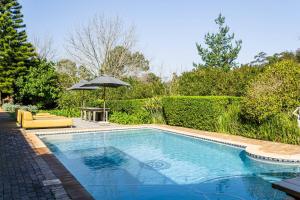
(104, 111)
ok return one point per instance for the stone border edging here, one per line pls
(71, 185)
(254, 151)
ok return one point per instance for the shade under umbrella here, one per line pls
(78, 86)
(105, 81)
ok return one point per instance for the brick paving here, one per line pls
(23, 173)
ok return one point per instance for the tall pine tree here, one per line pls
(221, 51)
(16, 54)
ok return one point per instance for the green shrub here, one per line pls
(280, 128)
(137, 111)
(141, 117)
(229, 121)
(40, 85)
(9, 107)
(126, 106)
(196, 112)
(154, 107)
(74, 99)
(276, 90)
(213, 81)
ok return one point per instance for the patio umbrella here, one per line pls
(78, 86)
(105, 81)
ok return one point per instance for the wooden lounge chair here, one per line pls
(29, 122)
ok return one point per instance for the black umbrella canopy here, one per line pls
(105, 81)
(78, 86)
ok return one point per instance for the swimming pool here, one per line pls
(155, 164)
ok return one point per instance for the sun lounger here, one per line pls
(28, 121)
(37, 116)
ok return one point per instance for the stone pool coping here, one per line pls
(261, 150)
(71, 185)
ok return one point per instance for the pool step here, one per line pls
(289, 186)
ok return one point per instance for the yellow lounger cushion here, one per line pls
(37, 116)
(29, 122)
(19, 116)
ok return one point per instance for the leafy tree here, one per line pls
(146, 86)
(277, 57)
(66, 66)
(259, 59)
(67, 73)
(84, 73)
(120, 61)
(16, 53)
(40, 87)
(173, 85)
(297, 54)
(213, 81)
(274, 91)
(70, 74)
(220, 52)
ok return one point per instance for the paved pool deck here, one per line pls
(25, 172)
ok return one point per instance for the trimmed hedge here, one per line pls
(199, 112)
(208, 113)
(126, 106)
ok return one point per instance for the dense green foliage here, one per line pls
(9, 107)
(220, 52)
(146, 86)
(16, 54)
(280, 128)
(39, 87)
(75, 99)
(275, 91)
(121, 61)
(128, 111)
(136, 111)
(212, 81)
(223, 114)
(195, 112)
(69, 73)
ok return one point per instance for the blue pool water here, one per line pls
(150, 164)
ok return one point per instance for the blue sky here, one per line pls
(167, 30)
